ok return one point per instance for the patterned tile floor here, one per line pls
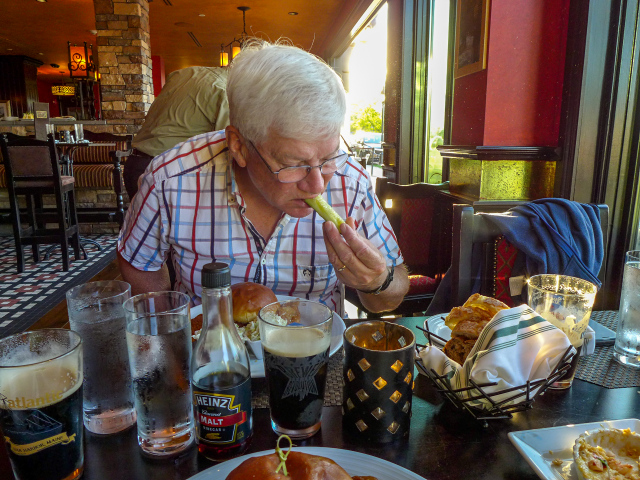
(26, 297)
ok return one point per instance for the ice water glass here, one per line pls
(159, 344)
(627, 346)
(96, 313)
(79, 129)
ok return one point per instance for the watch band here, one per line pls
(382, 287)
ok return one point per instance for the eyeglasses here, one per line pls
(296, 174)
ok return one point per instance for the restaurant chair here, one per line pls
(475, 235)
(32, 170)
(420, 215)
(101, 168)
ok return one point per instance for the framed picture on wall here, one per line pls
(471, 36)
(5, 108)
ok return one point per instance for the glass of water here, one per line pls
(627, 347)
(159, 344)
(96, 313)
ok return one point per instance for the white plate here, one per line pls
(257, 366)
(353, 462)
(436, 325)
(541, 446)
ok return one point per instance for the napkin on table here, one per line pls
(516, 345)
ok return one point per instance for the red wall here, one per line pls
(157, 73)
(516, 101)
(45, 95)
(469, 102)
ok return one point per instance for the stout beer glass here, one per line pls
(41, 403)
(296, 337)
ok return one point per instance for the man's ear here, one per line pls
(236, 145)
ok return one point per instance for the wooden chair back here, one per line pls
(470, 229)
(420, 215)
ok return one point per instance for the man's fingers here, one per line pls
(361, 247)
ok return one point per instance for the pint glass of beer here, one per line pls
(296, 338)
(41, 403)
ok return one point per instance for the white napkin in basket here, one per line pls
(517, 345)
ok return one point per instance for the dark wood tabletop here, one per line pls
(444, 443)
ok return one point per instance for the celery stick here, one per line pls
(324, 210)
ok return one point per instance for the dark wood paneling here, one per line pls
(18, 82)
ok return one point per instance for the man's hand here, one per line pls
(359, 264)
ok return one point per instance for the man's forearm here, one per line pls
(144, 282)
(392, 296)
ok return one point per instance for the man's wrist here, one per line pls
(382, 287)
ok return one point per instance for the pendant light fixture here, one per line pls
(234, 47)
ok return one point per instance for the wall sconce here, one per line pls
(81, 61)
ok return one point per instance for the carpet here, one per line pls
(26, 297)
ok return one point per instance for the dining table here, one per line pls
(444, 442)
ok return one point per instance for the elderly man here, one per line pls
(238, 196)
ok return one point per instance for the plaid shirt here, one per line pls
(189, 204)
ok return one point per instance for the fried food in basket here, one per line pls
(468, 321)
(477, 303)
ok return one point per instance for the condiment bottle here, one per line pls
(221, 373)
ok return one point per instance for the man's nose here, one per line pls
(314, 182)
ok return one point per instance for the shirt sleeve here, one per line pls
(142, 240)
(375, 226)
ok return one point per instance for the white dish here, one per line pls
(353, 462)
(257, 365)
(541, 446)
(435, 324)
(10, 119)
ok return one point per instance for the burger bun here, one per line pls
(248, 299)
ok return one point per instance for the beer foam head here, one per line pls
(296, 341)
(40, 367)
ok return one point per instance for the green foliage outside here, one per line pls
(434, 172)
(367, 119)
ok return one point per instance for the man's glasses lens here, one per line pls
(295, 174)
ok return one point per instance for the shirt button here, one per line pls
(263, 261)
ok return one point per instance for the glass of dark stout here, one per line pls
(41, 403)
(296, 339)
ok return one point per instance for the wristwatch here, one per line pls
(384, 285)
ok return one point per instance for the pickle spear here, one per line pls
(320, 205)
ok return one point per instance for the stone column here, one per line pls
(124, 61)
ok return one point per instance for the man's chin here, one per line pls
(299, 212)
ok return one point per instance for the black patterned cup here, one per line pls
(378, 380)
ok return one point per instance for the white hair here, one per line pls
(284, 88)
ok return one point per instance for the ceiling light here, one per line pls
(41, 1)
(41, 53)
(9, 48)
(293, 13)
(236, 44)
(201, 15)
